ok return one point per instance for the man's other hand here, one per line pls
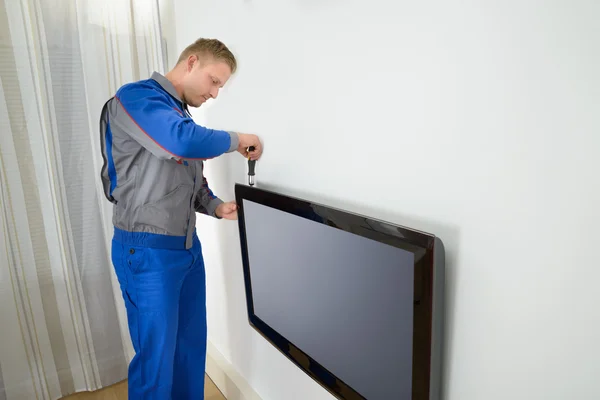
(227, 210)
(247, 140)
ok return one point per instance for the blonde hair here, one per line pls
(214, 48)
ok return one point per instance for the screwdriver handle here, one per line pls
(251, 163)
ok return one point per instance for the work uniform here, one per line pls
(153, 174)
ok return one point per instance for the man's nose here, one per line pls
(214, 93)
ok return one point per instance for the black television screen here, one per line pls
(355, 302)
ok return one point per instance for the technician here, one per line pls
(153, 174)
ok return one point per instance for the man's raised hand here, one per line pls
(247, 140)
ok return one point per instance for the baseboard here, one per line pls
(233, 385)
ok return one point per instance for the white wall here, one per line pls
(479, 123)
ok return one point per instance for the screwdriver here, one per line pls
(251, 164)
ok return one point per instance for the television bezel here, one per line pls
(428, 290)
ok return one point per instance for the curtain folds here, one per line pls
(62, 324)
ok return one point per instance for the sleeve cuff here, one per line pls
(212, 207)
(235, 142)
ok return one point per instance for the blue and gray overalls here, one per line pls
(152, 173)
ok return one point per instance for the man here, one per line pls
(153, 174)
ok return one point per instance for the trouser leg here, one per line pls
(190, 352)
(151, 281)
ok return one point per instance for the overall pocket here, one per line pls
(134, 258)
(168, 215)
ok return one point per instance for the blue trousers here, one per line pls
(165, 297)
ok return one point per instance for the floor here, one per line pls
(119, 392)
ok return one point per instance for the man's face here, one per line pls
(203, 80)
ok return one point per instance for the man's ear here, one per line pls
(190, 62)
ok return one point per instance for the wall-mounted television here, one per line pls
(355, 302)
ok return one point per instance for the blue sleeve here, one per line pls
(146, 115)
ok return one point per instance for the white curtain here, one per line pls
(62, 322)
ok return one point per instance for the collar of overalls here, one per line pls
(168, 87)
